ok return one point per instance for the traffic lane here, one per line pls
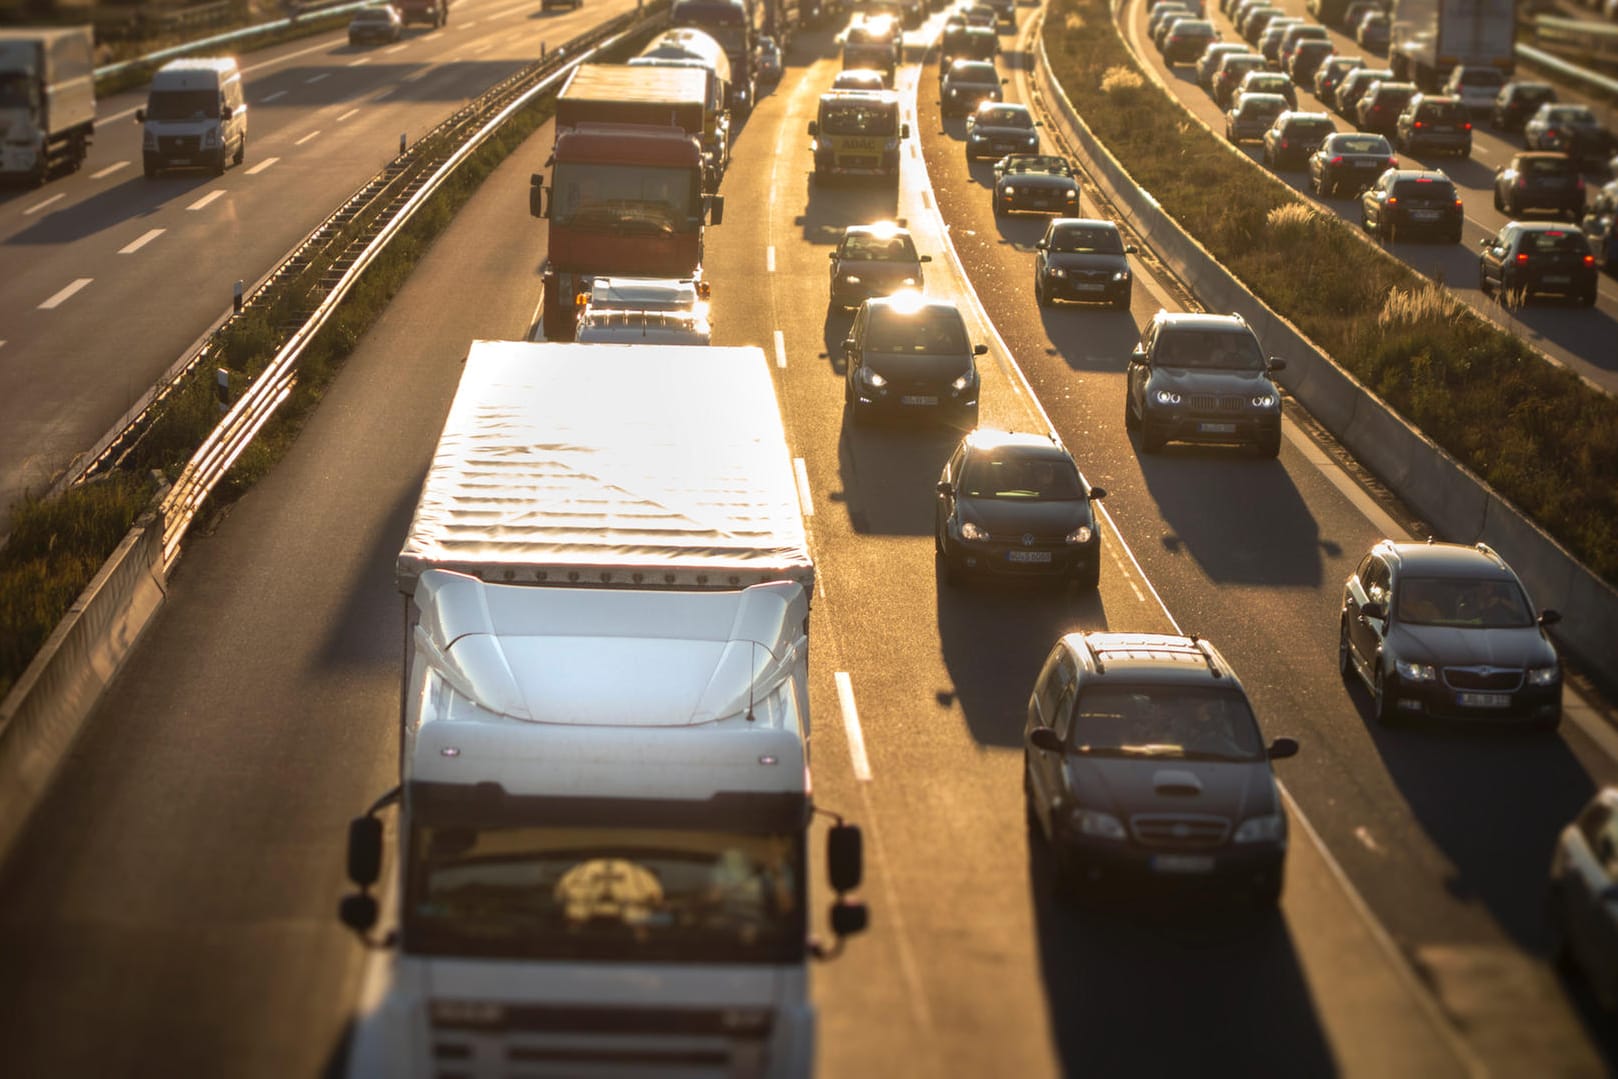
(934, 789)
(1579, 337)
(1252, 554)
(171, 909)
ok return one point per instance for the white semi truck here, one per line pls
(47, 100)
(602, 855)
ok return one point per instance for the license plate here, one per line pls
(1182, 863)
(1217, 428)
(1483, 700)
(1557, 279)
(1028, 556)
(918, 400)
(1089, 288)
(179, 161)
(1424, 215)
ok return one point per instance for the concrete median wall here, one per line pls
(1454, 501)
(45, 710)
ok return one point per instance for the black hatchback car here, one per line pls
(1406, 202)
(1081, 258)
(1016, 506)
(1145, 768)
(1538, 258)
(911, 356)
(1202, 378)
(1349, 160)
(1446, 630)
(1540, 180)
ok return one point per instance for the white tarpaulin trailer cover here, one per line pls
(620, 466)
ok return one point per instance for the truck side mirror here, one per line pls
(904, 131)
(716, 209)
(845, 857)
(364, 850)
(536, 196)
(814, 129)
(140, 116)
(358, 911)
(848, 917)
(848, 346)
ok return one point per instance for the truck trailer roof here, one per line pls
(621, 83)
(617, 466)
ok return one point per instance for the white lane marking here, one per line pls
(347, 114)
(391, 49)
(313, 134)
(272, 97)
(109, 170)
(423, 73)
(927, 201)
(206, 199)
(503, 12)
(66, 294)
(316, 78)
(131, 248)
(851, 726)
(780, 350)
(806, 501)
(262, 165)
(38, 206)
(2, 344)
(360, 62)
(467, 25)
(1363, 834)
(481, 47)
(769, 261)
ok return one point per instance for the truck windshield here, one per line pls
(628, 894)
(183, 105)
(625, 199)
(16, 90)
(858, 120)
(722, 20)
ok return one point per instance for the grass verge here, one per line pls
(1537, 434)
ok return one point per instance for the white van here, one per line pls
(195, 117)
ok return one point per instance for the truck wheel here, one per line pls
(552, 320)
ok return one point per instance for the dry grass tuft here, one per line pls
(1426, 303)
(1120, 79)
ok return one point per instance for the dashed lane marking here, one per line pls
(313, 134)
(131, 248)
(203, 202)
(272, 97)
(769, 261)
(851, 727)
(262, 165)
(346, 115)
(806, 501)
(109, 170)
(316, 78)
(38, 206)
(780, 349)
(66, 294)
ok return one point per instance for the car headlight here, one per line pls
(1081, 534)
(1008, 191)
(970, 531)
(1270, 828)
(1167, 397)
(851, 279)
(872, 378)
(1263, 400)
(1121, 275)
(1096, 824)
(1416, 672)
(910, 281)
(977, 136)
(954, 92)
(210, 137)
(1033, 140)
(1544, 676)
(961, 383)
(1072, 194)
(1055, 271)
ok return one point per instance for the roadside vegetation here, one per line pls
(1536, 433)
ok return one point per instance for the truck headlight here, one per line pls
(1270, 828)
(1167, 397)
(1081, 534)
(1416, 672)
(1544, 676)
(1096, 824)
(970, 531)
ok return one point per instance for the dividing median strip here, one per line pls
(262, 165)
(109, 170)
(851, 727)
(66, 294)
(131, 248)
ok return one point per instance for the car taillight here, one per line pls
(1581, 183)
(1589, 260)
(1522, 258)
(1522, 182)
(1393, 162)
(1392, 201)
(1457, 204)
(1285, 144)
(1338, 160)
(1467, 126)
(1418, 124)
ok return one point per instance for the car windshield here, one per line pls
(1021, 476)
(1039, 163)
(1087, 239)
(1453, 601)
(1571, 114)
(1005, 116)
(1361, 144)
(923, 333)
(858, 119)
(638, 894)
(871, 247)
(631, 200)
(1232, 350)
(183, 105)
(1175, 722)
(973, 71)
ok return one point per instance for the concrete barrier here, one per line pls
(43, 713)
(1453, 500)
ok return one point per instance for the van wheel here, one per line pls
(219, 164)
(241, 152)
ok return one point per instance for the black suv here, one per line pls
(1446, 630)
(1404, 202)
(1202, 378)
(1144, 765)
(1539, 180)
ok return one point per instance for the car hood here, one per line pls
(1006, 516)
(1085, 260)
(1184, 380)
(884, 269)
(1459, 646)
(930, 367)
(1125, 787)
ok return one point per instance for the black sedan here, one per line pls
(381, 25)
(874, 260)
(1445, 630)
(1537, 258)
(1000, 128)
(1582, 916)
(910, 356)
(1349, 161)
(1039, 182)
(966, 84)
(1083, 259)
(1016, 506)
(1406, 202)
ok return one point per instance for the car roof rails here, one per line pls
(1205, 650)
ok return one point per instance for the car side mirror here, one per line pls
(716, 209)
(1374, 609)
(364, 850)
(1549, 617)
(536, 196)
(945, 487)
(1139, 356)
(832, 255)
(1003, 82)
(980, 350)
(1097, 494)
(1282, 748)
(1130, 249)
(1276, 363)
(926, 258)
(848, 346)
(1043, 738)
(814, 129)
(1039, 123)
(904, 131)
(140, 116)
(1042, 246)
(845, 857)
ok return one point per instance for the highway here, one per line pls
(111, 277)
(171, 909)
(1581, 338)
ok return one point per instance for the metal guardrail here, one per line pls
(227, 38)
(1572, 72)
(343, 246)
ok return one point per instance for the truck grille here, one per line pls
(1179, 831)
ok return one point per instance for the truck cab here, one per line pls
(857, 133)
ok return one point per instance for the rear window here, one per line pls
(1481, 77)
(1442, 110)
(1267, 105)
(1424, 188)
(1572, 114)
(973, 71)
(1310, 129)
(1362, 144)
(1553, 241)
(1548, 166)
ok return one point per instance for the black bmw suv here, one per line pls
(1144, 767)
(1202, 378)
(1446, 630)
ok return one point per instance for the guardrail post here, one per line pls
(236, 297)
(542, 50)
(401, 143)
(222, 388)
